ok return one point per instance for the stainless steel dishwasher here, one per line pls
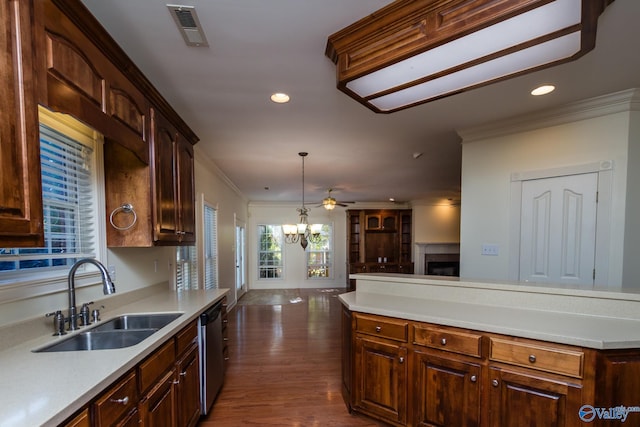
(211, 357)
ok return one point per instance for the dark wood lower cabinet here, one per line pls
(447, 391)
(410, 373)
(188, 388)
(381, 379)
(522, 399)
(157, 408)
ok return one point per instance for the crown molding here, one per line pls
(617, 102)
(203, 157)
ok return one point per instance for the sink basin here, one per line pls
(137, 321)
(95, 340)
(119, 332)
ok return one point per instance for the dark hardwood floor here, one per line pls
(285, 363)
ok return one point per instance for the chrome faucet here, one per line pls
(107, 288)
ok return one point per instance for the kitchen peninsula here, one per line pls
(420, 350)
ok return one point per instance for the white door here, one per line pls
(558, 229)
(241, 283)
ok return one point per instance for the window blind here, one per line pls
(210, 248)
(186, 268)
(68, 206)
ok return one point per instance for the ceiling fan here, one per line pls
(329, 203)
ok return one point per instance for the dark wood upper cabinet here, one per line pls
(148, 150)
(21, 218)
(174, 187)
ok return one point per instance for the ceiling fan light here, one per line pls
(329, 203)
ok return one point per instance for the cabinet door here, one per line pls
(80, 420)
(158, 406)
(380, 379)
(347, 356)
(20, 181)
(447, 392)
(164, 149)
(186, 191)
(188, 389)
(174, 186)
(518, 399)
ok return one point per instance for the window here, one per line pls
(320, 255)
(270, 251)
(210, 247)
(186, 268)
(68, 153)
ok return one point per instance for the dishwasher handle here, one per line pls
(211, 314)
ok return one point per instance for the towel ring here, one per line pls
(126, 208)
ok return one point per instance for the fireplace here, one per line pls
(442, 264)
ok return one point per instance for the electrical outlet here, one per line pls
(490, 249)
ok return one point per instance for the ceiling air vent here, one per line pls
(187, 21)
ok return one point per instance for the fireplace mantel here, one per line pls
(433, 248)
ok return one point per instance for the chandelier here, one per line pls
(302, 232)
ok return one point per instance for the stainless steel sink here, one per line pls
(91, 340)
(119, 332)
(137, 321)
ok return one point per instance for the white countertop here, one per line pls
(46, 388)
(412, 300)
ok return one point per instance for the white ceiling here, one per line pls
(258, 47)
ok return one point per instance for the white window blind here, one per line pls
(210, 247)
(186, 268)
(68, 194)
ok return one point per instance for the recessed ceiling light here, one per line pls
(543, 90)
(280, 98)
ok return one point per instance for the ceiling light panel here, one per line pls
(186, 19)
(415, 51)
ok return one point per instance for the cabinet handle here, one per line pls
(401, 360)
(473, 378)
(443, 341)
(532, 358)
(378, 328)
(176, 382)
(495, 383)
(183, 373)
(123, 401)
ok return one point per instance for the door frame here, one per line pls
(242, 254)
(604, 169)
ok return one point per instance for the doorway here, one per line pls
(558, 229)
(561, 225)
(240, 257)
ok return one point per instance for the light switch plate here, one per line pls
(490, 249)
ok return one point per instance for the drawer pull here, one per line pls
(378, 328)
(443, 341)
(473, 378)
(532, 358)
(495, 383)
(401, 360)
(123, 401)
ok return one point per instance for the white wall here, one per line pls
(295, 273)
(436, 223)
(631, 272)
(213, 187)
(488, 162)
